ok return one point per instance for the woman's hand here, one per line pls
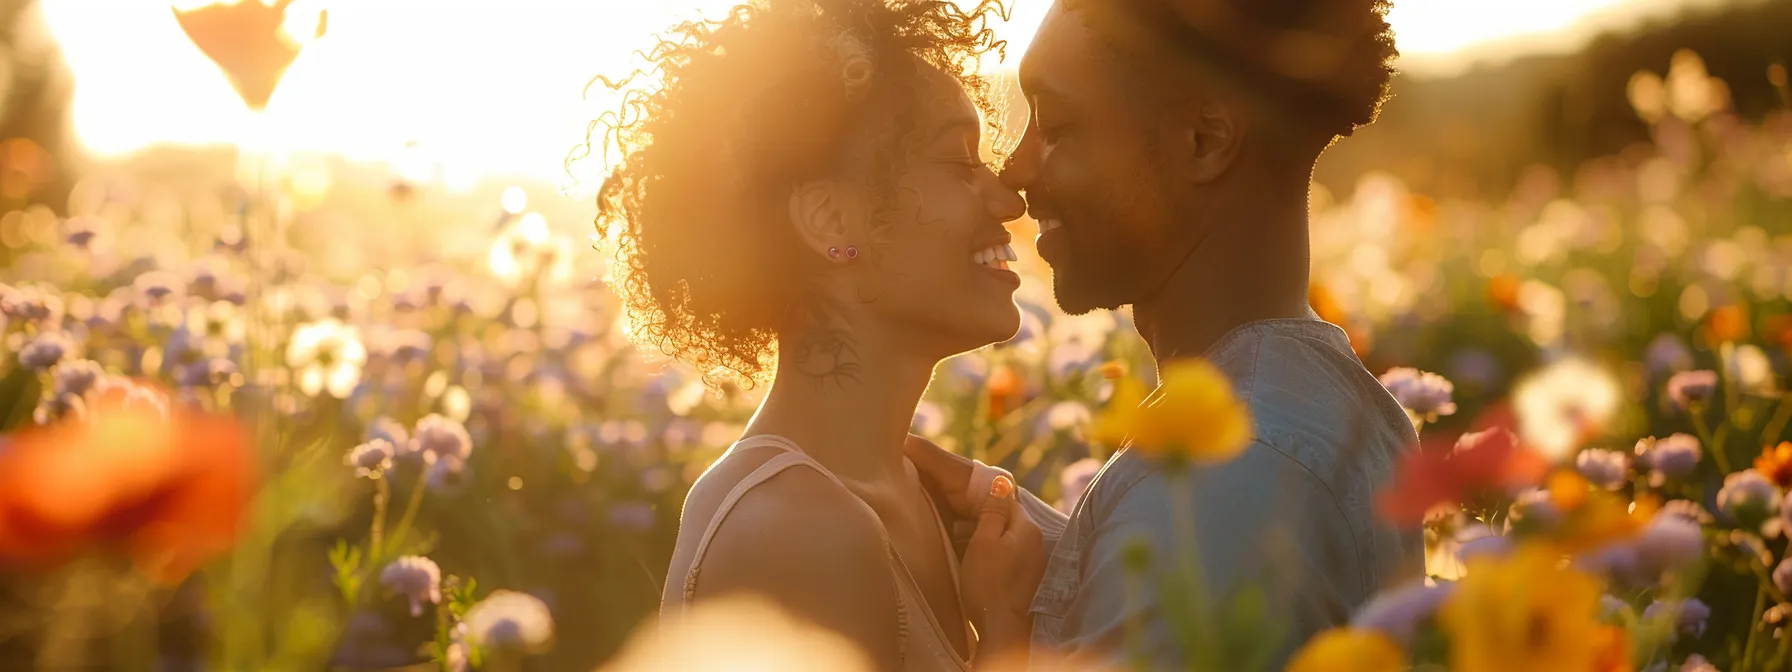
(1001, 570)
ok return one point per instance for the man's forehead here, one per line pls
(1061, 39)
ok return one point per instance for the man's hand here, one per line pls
(1001, 572)
(964, 482)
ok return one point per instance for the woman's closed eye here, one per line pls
(967, 166)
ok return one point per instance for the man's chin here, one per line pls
(1078, 298)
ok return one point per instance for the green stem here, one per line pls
(1770, 433)
(1754, 627)
(410, 513)
(1188, 556)
(1711, 442)
(382, 491)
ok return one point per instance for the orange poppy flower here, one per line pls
(1480, 462)
(169, 488)
(1725, 324)
(245, 39)
(1775, 463)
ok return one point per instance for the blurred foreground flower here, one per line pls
(1397, 613)
(1349, 650)
(1490, 460)
(1195, 418)
(1522, 612)
(739, 633)
(169, 488)
(509, 620)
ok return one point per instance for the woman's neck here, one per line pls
(846, 396)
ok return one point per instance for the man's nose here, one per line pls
(1022, 166)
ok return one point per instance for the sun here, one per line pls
(486, 88)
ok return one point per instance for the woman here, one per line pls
(801, 198)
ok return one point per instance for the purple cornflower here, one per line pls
(1603, 468)
(1668, 458)
(1426, 394)
(1689, 615)
(416, 578)
(45, 351)
(1690, 387)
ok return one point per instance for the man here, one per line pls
(1167, 162)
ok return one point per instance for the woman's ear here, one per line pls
(819, 213)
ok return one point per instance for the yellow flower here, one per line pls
(1348, 650)
(1195, 416)
(1526, 611)
(1594, 518)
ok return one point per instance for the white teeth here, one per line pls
(993, 256)
(1049, 224)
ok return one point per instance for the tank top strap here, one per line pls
(790, 456)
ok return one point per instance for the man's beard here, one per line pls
(1085, 285)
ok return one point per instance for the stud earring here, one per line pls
(833, 253)
(852, 252)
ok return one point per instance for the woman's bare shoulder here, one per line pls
(802, 540)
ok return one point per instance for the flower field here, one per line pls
(293, 413)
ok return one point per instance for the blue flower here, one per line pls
(1669, 458)
(1748, 498)
(440, 437)
(1603, 468)
(416, 578)
(1398, 612)
(1427, 395)
(509, 620)
(45, 351)
(632, 516)
(1689, 615)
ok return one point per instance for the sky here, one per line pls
(493, 87)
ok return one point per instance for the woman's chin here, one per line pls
(998, 324)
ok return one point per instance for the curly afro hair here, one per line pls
(738, 112)
(1326, 62)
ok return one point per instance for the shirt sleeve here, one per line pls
(1050, 520)
(1262, 520)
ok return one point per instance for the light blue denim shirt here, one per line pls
(1293, 514)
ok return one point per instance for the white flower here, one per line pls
(1067, 415)
(1751, 369)
(327, 356)
(1563, 405)
(509, 620)
(416, 578)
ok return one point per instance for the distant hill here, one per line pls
(1472, 134)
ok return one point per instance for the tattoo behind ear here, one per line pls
(824, 351)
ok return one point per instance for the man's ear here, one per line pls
(818, 213)
(1208, 134)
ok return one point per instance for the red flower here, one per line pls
(170, 489)
(1480, 462)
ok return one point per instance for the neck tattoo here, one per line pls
(824, 350)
